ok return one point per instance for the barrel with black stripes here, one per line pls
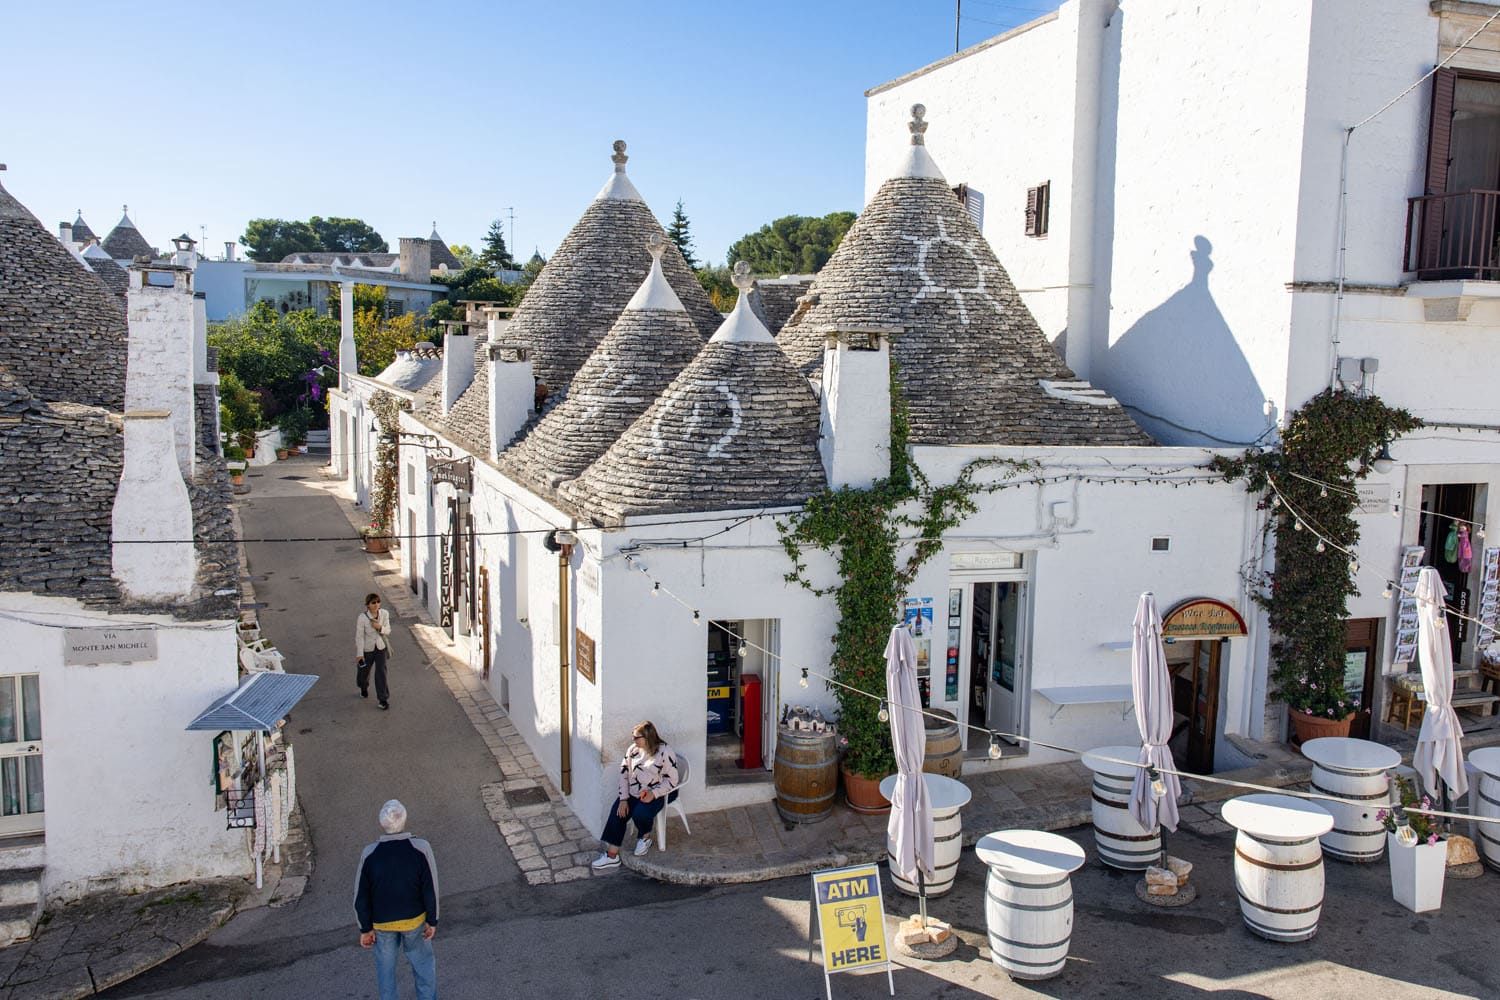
(1485, 801)
(1122, 842)
(948, 797)
(944, 751)
(807, 775)
(1355, 772)
(1278, 864)
(1028, 905)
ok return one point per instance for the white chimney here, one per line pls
(185, 251)
(159, 367)
(201, 374)
(152, 528)
(855, 426)
(512, 393)
(497, 321)
(65, 233)
(348, 356)
(229, 250)
(458, 362)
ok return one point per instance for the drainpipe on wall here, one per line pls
(562, 540)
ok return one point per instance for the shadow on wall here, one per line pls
(1180, 369)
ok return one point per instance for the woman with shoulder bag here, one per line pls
(372, 646)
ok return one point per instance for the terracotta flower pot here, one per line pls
(281, 454)
(862, 794)
(1310, 727)
(374, 543)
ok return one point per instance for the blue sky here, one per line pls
(401, 114)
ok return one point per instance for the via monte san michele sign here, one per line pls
(89, 646)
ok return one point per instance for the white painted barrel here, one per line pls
(1030, 924)
(1485, 800)
(1278, 863)
(1122, 842)
(948, 797)
(1356, 772)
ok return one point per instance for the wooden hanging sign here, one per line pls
(1202, 618)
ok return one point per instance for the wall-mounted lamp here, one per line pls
(1383, 462)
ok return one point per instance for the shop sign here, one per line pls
(87, 646)
(583, 654)
(1202, 618)
(458, 473)
(850, 914)
(1374, 498)
(985, 560)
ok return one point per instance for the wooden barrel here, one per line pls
(1030, 924)
(1484, 798)
(945, 751)
(947, 845)
(1122, 842)
(1356, 835)
(1280, 883)
(807, 775)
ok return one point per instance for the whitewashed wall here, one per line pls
(128, 799)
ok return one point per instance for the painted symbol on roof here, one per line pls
(969, 258)
(702, 413)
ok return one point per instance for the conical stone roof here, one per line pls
(62, 334)
(441, 255)
(974, 365)
(653, 340)
(111, 274)
(578, 296)
(736, 430)
(125, 242)
(81, 231)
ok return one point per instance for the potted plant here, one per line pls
(293, 425)
(1317, 705)
(1419, 855)
(375, 538)
(234, 458)
(868, 756)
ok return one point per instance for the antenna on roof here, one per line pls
(917, 125)
(619, 158)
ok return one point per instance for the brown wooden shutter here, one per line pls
(1439, 140)
(1033, 210)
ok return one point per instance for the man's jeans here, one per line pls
(418, 953)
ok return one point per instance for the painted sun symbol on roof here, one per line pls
(968, 248)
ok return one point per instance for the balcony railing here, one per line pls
(1451, 236)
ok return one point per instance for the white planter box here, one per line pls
(1417, 874)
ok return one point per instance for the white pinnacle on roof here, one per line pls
(654, 292)
(919, 162)
(742, 326)
(618, 187)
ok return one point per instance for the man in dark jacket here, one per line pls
(396, 904)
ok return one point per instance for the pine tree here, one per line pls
(677, 232)
(496, 255)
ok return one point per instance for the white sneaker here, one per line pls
(643, 845)
(605, 860)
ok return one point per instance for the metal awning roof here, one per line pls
(261, 701)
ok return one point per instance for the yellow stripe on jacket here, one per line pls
(402, 925)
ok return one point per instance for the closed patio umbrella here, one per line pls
(1439, 751)
(1151, 684)
(908, 833)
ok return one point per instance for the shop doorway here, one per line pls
(999, 676)
(21, 799)
(1447, 519)
(1194, 666)
(743, 699)
(1361, 670)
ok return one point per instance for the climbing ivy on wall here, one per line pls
(1328, 446)
(863, 529)
(387, 409)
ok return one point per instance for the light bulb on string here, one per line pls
(1158, 786)
(1354, 565)
(803, 679)
(1296, 525)
(1320, 547)
(743, 650)
(1275, 500)
(995, 746)
(884, 715)
(697, 618)
(1479, 531)
(1323, 493)
(655, 589)
(1395, 510)
(1388, 589)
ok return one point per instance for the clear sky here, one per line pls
(210, 114)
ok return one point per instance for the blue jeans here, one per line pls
(642, 814)
(418, 952)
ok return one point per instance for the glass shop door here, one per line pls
(21, 800)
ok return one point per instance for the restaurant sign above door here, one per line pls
(1202, 618)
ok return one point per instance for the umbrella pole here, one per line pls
(922, 895)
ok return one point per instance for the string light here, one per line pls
(1320, 547)
(697, 618)
(1388, 589)
(1297, 525)
(743, 649)
(803, 679)
(995, 750)
(884, 715)
(1354, 565)
(1158, 786)
(1275, 499)
(655, 588)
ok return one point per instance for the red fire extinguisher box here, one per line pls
(750, 748)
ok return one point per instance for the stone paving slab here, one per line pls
(86, 947)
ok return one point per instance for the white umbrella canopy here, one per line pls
(909, 837)
(1439, 753)
(1151, 684)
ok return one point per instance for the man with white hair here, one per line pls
(396, 904)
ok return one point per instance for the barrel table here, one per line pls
(1358, 772)
(948, 797)
(1485, 801)
(1028, 905)
(1123, 843)
(807, 775)
(944, 752)
(1278, 863)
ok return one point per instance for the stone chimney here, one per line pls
(416, 258)
(229, 250)
(497, 319)
(201, 374)
(348, 356)
(185, 251)
(161, 348)
(65, 233)
(458, 362)
(855, 428)
(152, 553)
(512, 393)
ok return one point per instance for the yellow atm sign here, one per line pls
(851, 917)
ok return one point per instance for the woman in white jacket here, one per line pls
(372, 646)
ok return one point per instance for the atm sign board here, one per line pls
(851, 918)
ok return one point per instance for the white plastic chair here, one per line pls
(674, 801)
(260, 656)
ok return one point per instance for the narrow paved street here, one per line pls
(624, 936)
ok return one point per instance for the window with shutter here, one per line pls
(1037, 204)
(973, 204)
(1439, 140)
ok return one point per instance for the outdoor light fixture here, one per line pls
(697, 618)
(803, 679)
(1479, 531)
(995, 746)
(884, 715)
(1158, 786)
(1387, 591)
(1383, 461)
(743, 649)
(1354, 565)
(1296, 525)
(655, 588)
(1320, 547)
(1275, 499)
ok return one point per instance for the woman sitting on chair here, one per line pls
(648, 775)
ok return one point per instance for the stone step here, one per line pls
(21, 886)
(17, 922)
(23, 852)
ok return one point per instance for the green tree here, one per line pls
(239, 410)
(495, 255)
(533, 268)
(678, 233)
(793, 244)
(337, 235)
(272, 354)
(272, 239)
(472, 284)
(718, 283)
(465, 254)
(377, 337)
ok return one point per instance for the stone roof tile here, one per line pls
(125, 242)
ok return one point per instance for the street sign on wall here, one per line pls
(89, 646)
